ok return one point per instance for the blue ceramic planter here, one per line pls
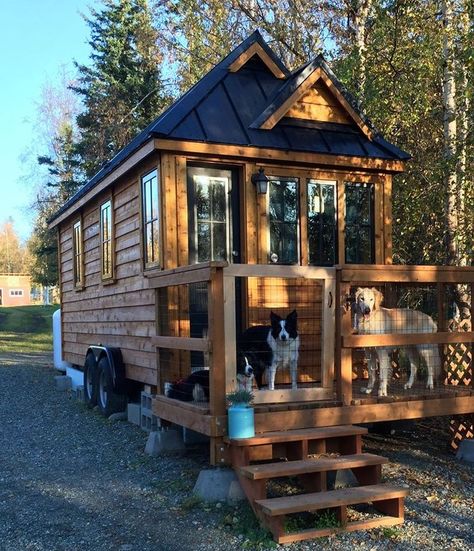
(241, 421)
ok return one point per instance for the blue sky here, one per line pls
(37, 37)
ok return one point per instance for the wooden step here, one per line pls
(311, 533)
(307, 466)
(298, 434)
(325, 500)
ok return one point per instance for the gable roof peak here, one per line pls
(255, 44)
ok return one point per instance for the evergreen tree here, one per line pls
(60, 176)
(121, 89)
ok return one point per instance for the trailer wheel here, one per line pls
(109, 402)
(90, 381)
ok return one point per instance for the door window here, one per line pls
(283, 218)
(210, 214)
(322, 222)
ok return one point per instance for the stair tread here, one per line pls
(321, 500)
(299, 434)
(322, 464)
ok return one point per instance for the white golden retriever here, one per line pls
(371, 318)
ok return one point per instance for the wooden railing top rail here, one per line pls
(391, 273)
(370, 273)
(397, 339)
(193, 273)
(278, 270)
(182, 343)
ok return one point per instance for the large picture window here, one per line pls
(78, 255)
(151, 219)
(283, 220)
(322, 222)
(359, 223)
(106, 242)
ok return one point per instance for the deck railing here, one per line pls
(338, 338)
(440, 278)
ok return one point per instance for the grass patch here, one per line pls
(26, 328)
(305, 521)
(242, 521)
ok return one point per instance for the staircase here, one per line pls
(303, 458)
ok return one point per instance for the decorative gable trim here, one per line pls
(256, 49)
(281, 105)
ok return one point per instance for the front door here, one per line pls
(214, 234)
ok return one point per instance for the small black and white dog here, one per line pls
(196, 386)
(270, 347)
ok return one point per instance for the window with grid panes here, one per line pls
(151, 219)
(106, 240)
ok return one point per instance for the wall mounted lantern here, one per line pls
(261, 181)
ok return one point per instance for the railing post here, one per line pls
(328, 334)
(217, 359)
(216, 320)
(230, 331)
(343, 355)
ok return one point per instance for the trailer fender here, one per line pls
(117, 367)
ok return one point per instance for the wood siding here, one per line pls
(319, 104)
(119, 313)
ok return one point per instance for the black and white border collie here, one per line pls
(271, 347)
(196, 386)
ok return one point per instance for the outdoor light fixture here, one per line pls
(260, 181)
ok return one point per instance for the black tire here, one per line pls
(109, 402)
(90, 381)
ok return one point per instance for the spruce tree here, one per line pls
(121, 89)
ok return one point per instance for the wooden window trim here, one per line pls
(376, 209)
(107, 277)
(340, 177)
(78, 264)
(145, 177)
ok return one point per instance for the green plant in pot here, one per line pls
(240, 416)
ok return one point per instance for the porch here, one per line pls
(204, 307)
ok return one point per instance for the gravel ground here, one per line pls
(70, 479)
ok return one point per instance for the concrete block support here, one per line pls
(148, 421)
(63, 382)
(466, 450)
(134, 413)
(218, 485)
(163, 442)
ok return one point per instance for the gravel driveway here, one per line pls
(69, 479)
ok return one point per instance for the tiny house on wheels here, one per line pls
(262, 191)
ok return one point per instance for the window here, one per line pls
(212, 201)
(107, 271)
(359, 234)
(283, 220)
(211, 217)
(151, 219)
(16, 292)
(78, 254)
(322, 222)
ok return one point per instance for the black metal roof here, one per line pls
(227, 107)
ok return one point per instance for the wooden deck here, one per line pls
(334, 398)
